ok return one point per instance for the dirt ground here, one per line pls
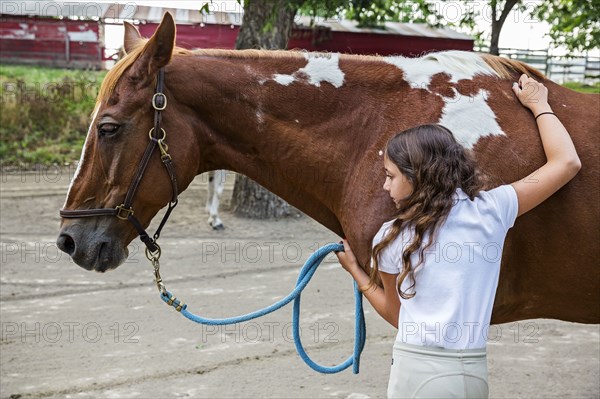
(67, 332)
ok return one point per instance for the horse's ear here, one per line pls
(157, 51)
(132, 37)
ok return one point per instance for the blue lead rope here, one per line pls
(306, 274)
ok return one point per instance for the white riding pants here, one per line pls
(430, 372)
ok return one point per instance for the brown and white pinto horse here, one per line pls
(310, 127)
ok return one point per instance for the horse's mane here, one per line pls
(502, 67)
(506, 68)
(114, 74)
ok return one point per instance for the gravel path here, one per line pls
(66, 332)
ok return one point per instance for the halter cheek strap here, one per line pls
(125, 210)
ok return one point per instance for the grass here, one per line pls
(46, 112)
(584, 88)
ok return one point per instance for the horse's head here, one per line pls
(116, 140)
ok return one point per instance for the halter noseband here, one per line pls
(125, 210)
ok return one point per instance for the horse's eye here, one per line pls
(108, 129)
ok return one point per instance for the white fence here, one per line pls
(585, 69)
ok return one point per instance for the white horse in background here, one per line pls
(216, 184)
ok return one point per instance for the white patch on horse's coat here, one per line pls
(323, 68)
(469, 118)
(81, 157)
(283, 79)
(260, 117)
(458, 64)
(320, 68)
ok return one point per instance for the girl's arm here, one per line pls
(385, 300)
(562, 161)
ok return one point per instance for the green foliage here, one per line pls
(374, 13)
(45, 113)
(205, 9)
(573, 23)
(324, 8)
(584, 88)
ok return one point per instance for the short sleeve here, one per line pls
(508, 204)
(390, 256)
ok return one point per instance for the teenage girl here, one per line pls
(435, 266)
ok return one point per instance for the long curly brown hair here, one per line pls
(436, 165)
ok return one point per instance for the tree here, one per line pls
(505, 8)
(574, 24)
(374, 13)
(267, 24)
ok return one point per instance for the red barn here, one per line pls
(49, 41)
(220, 29)
(72, 34)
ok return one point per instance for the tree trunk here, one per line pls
(267, 24)
(497, 23)
(496, 28)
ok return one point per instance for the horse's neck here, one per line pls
(283, 137)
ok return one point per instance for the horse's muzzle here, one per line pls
(90, 247)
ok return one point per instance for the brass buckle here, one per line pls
(121, 208)
(158, 279)
(164, 148)
(154, 97)
(164, 134)
(152, 256)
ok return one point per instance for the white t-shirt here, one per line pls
(456, 285)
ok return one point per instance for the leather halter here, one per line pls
(125, 210)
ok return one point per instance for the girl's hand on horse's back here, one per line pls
(562, 161)
(532, 94)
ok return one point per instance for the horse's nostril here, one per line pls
(66, 244)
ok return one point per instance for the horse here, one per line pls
(216, 184)
(310, 127)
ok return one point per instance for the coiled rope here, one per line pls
(306, 273)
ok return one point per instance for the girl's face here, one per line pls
(396, 184)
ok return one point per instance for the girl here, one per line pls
(438, 261)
